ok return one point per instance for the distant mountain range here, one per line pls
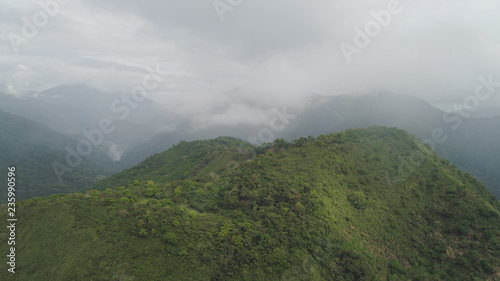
(34, 150)
(70, 109)
(149, 128)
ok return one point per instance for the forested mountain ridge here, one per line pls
(344, 206)
(473, 146)
(185, 160)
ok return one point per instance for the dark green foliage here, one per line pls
(337, 207)
(358, 200)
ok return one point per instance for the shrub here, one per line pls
(358, 200)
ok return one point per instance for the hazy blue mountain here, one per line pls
(475, 147)
(334, 113)
(70, 109)
(34, 148)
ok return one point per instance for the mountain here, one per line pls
(323, 115)
(363, 204)
(200, 159)
(474, 146)
(70, 109)
(34, 148)
(166, 140)
(336, 113)
(150, 128)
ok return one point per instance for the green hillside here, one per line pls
(473, 146)
(364, 204)
(184, 161)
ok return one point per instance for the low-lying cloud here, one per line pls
(272, 53)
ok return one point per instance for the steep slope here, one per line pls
(371, 204)
(476, 148)
(32, 148)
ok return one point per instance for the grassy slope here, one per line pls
(341, 207)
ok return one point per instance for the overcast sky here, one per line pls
(267, 52)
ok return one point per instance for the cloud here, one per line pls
(235, 115)
(270, 52)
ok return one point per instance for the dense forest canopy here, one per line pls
(344, 206)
